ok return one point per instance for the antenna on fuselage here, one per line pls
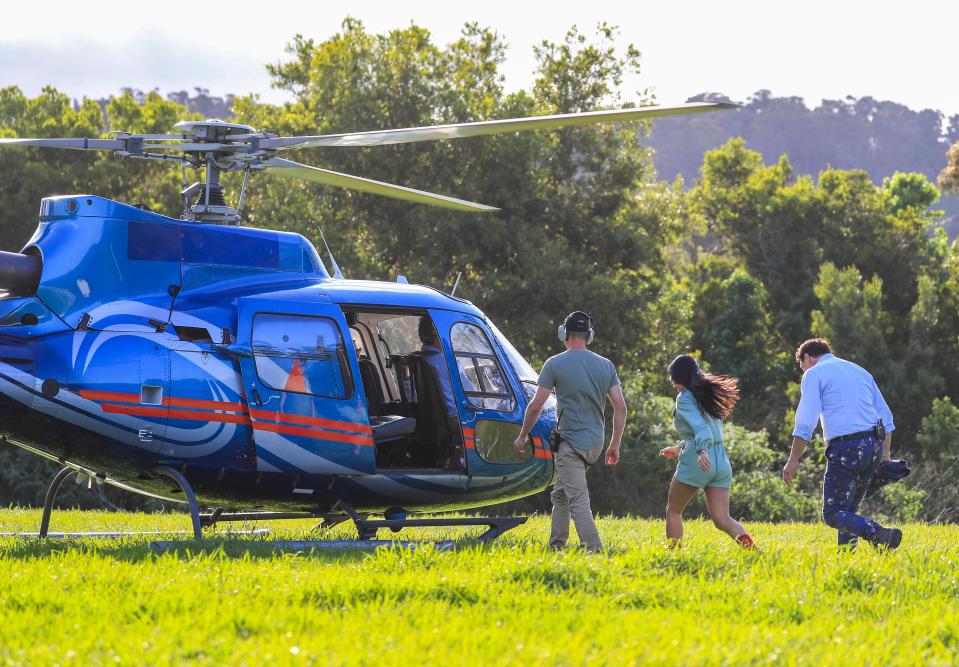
(336, 269)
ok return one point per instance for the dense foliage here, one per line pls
(738, 269)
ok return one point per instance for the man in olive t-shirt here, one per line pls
(583, 381)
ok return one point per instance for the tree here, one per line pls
(770, 221)
(949, 177)
(576, 228)
(29, 174)
(852, 318)
(939, 438)
(882, 230)
(783, 229)
(734, 331)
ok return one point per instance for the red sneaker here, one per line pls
(746, 542)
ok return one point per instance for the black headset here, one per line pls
(577, 321)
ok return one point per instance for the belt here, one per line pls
(871, 433)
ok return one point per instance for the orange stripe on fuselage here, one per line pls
(117, 397)
(138, 410)
(317, 434)
(311, 421)
(187, 415)
(539, 451)
(209, 405)
(310, 427)
(114, 396)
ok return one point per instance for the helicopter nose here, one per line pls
(19, 274)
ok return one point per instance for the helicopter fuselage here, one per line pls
(231, 355)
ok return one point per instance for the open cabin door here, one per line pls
(487, 395)
(300, 375)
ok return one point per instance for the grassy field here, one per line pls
(231, 601)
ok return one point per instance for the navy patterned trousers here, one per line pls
(850, 467)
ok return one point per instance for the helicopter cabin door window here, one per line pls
(480, 374)
(301, 354)
(494, 442)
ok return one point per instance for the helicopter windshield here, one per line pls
(527, 374)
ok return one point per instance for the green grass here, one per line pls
(231, 601)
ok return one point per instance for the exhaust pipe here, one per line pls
(19, 274)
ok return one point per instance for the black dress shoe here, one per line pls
(888, 538)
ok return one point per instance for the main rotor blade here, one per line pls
(287, 168)
(79, 144)
(460, 130)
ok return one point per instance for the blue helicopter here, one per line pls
(198, 361)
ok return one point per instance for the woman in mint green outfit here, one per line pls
(702, 403)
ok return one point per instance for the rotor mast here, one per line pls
(204, 201)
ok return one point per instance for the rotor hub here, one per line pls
(213, 129)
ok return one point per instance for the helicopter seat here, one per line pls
(371, 386)
(430, 413)
(391, 427)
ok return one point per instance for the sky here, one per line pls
(813, 49)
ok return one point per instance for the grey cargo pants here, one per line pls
(571, 497)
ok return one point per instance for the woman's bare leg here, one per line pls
(679, 496)
(717, 501)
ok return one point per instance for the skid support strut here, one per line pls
(160, 471)
(52, 491)
(177, 476)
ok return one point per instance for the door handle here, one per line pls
(259, 397)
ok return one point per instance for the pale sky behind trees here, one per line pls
(813, 49)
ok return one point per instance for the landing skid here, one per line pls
(497, 524)
(366, 528)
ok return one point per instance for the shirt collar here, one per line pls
(825, 358)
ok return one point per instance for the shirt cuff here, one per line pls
(803, 432)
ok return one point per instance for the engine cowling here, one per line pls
(19, 274)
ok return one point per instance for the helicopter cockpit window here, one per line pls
(480, 374)
(527, 374)
(300, 354)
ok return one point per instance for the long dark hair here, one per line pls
(715, 394)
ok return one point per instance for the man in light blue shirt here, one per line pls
(857, 427)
